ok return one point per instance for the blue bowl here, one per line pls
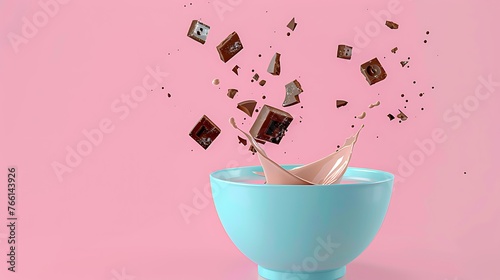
(301, 232)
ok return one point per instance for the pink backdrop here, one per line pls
(69, 67)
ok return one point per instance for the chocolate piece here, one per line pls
(374, 104)
(341, 103)
(256, 77)
(205, 132)
(231, 92)
(293, 87)
(247, 106)
(292, 24)
(373, 71)
(275, 65)
(262, 82)
(394, 50)
(252, 149)
(402, 116)
(391, 25)
(344, 52)
(229, 47)
(391, 117)
(198, 31)
(291, 100)
(215, 82)
(403, 63)
(235, 69)
(242, 141)
(271, 124)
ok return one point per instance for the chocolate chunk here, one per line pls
(229, 47)
(275, 65)
(391, 25)
(198, 31)
(341, 103)
(271, 124)
(403, 63)
(402, 116)
(247, 106)
(394, 50)
(291, 100)
(252, 149)
(256, 77)
(293, 87)
(262, 82)
(292, 24)
(344, 52)
(205, 132)
(242, 141)
(391, 117)
(235, 69)
(373, 71)
(231, 92)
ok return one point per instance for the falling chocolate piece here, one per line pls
(402, 116)
(374, 104)
(341, 103)
(247, 106)
(293, 87)
(373, 71)
(391, 25)
(344, 51)
(262, 82)
(256, 77)
(394, 50)
(403, 63)
(242, 141)
(229, 47)
(198, 31)
(252, 149)
(235, 69)
(391, 117)
(292, 24)
(271, 124)
(275, 65)
(291, 100)
(205, 132)
(231, 92)
(215, 82)
(362, 116)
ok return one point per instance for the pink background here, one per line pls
(116, 215)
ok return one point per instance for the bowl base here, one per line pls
(290, 275)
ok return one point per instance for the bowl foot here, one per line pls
(290, 275)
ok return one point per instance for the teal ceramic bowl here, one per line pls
(301, 232)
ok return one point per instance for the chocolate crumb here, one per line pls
(394, 50)
(402, 116)
(242, 141)
(391, 117)
(256, 77)
(288, 34)
(292, 24)
(392, 25)
(169, 95)
(403, 63)
(425, 41)
(341, 103)
(231, 92)
(235, 69)
(216, 82)
(262, 82)
(374, 104)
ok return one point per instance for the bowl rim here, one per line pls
(390, 177)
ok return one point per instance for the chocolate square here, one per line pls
(344, 51)
(198, 31)
(205, 132)
(275, 66)
(229, 47)
(271, 124)
(373, 71)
